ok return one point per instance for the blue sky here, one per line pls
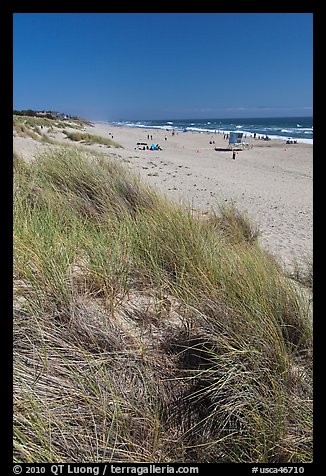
(112, 66)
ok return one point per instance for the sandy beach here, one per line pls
(272, 181)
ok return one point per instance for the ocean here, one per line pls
(296, 128)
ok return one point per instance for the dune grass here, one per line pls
(33, 121)
(31, 127)
(144, 333)
(91, 139)
(39, 128)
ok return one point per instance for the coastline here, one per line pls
(272, 181)
(104, 267)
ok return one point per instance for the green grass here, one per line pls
(146, 333)
(91, 139)
(31, 128)
(33, 121)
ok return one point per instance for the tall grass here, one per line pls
(144, 333)
(30, 128)
(91, 139)
(33, 121)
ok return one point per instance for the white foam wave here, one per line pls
(224, 131)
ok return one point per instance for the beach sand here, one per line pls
(272, 181)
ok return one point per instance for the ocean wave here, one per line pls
(281, 132)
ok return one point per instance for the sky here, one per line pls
(129, 66)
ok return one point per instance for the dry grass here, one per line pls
(91, 139)
(143, 333)
(32, 129)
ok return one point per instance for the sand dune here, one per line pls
(272, 181)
